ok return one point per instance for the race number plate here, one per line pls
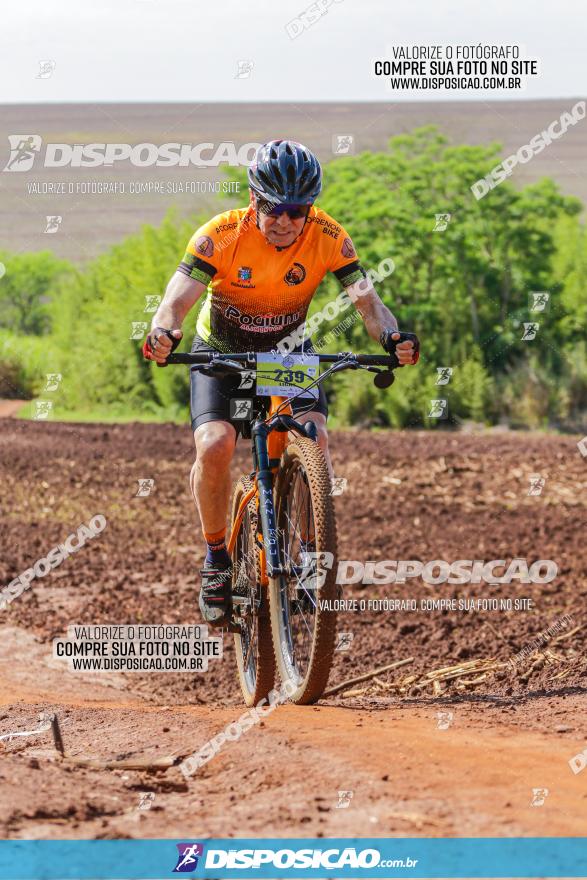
(286, 374)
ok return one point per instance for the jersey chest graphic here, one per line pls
(260, 323)
(258, 293)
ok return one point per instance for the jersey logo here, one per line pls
(205, 246)
(295, 275)
(245, 273)
(224, 226)
(347, 248)
(260, 323)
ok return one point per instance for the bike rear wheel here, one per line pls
(304, 630)
(253, 646)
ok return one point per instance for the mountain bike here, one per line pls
(282, 538)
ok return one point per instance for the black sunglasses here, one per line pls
(294, 212)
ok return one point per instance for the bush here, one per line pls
(464, 290)
(26, 288)
(24, 363)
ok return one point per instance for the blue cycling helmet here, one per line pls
(285, 172)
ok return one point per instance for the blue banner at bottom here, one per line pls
(293, 857)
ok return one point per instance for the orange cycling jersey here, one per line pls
(259, 293)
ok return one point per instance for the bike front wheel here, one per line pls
(303, 622)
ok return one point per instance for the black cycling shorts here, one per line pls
(210, 396)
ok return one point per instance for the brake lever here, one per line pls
(348, 362)
(345, 365)
(218, 367)
(230, 365)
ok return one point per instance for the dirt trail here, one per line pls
(407, 776)
(9, 408)
(472, 770)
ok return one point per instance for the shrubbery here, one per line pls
(464, 290)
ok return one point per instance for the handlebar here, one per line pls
(248, 359)
(211, 362)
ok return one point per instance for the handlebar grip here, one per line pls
(390, 344)
(174, 342)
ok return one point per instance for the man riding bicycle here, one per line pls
(261, 266)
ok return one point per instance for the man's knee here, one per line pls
(322, 438)
(215, 443)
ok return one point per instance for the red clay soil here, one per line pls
(9, 408)
(509, 727)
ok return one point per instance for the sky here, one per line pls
(188, 50)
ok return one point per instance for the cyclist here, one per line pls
(261, 266)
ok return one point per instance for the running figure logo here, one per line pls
(344, 800)
(444, 375)
(247, 379)
(338, 485)
(537, 484)
(530, 331)
(43, 409)
(438, 409)
(146, 799)
(23, 150)
(539, 300)
(344, 641)
(152, 303)
(443, 720)
(241, 409)
(138, 329)
(343, 144)
(244, 68)
(53, 223)
(145, 487)
(187, 861)
(46, 69)
(442, 221)
(53, 380)
(539, 795)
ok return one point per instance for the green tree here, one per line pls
(463, 285)
(464, 290)
(25, 290)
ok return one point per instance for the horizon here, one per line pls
(344, 103)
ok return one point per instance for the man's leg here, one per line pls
(210, 477)
(211, 486)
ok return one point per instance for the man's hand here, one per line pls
(405, 346)
(160, 343)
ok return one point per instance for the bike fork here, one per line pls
(266, 508)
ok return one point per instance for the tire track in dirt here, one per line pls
(283, 777)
